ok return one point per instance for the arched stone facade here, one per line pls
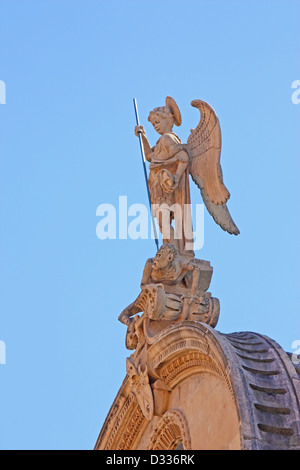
(206, 390)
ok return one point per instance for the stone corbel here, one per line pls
(161, 393)
(141, 388)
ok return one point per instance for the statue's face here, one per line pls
(161, 124)
(162, 259)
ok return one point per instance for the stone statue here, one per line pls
(171, 162)
(174, 284)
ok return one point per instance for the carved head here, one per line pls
(164, 117)
(165, 256)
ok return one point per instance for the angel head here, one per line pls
(163, 118)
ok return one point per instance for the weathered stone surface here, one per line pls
(210, 391)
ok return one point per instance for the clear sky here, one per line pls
(71, 69)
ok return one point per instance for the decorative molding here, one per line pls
(172, 371)
(171, 430)
(119, 422)
(132, 430)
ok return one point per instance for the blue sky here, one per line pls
(71, 69)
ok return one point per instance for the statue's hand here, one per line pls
(139, 130)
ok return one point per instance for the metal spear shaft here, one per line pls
(145, 171)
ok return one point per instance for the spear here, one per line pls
(145, 171)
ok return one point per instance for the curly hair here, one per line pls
(170, 248)
(163, 112)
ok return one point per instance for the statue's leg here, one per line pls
(165, 226)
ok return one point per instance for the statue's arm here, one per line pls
(179, 153)
(195, 282)
(183, 159)
(180, 170)
(128, 312)
(147, 147)
(134, 308)
(146, 279)
(190, 267)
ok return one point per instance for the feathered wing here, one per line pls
(204, 147)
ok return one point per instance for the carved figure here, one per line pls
(141, 387)
(171, 162)
(173, 288)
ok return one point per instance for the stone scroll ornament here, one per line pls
(171, 163)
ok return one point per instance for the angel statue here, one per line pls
(171, 162)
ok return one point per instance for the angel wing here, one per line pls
(204, 148)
